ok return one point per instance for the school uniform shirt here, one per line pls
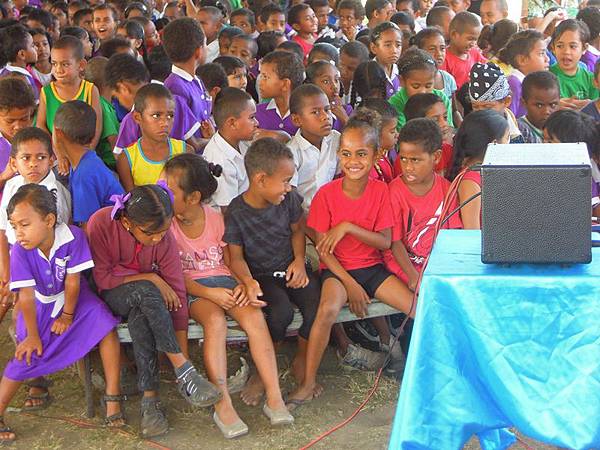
(184, 127)
(234, 180)
(590, 57)
(580, 85)
(416, 217)
(192, 90)
(399, 99)
(592, 110)
(515, 81)
(42, 78)
(212, 51)
(264, 234)
(460, 68)
(117, 254)
(337, 123)
(9, 69)
(269, 118)
(4, 152)
(371, 211)
(314, 166)
(91, 184)
(392, 83)
(61, 194)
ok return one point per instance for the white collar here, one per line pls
(273, 105)
(226, 147)
(49, 180)
(518, 74)
(395, 71)
(17, 69)
(182, 73)
(593, 50)
(304, 144)
(62, 236)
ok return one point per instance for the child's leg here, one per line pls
(253, 323)
(394, 292)
(333, 298)
(212, 319)
(8, 389)
(383, 330)
(109, 352)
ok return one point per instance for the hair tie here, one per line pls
(163, 184)
(119, 200)
(215, 169)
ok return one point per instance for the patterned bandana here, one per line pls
(487, 83)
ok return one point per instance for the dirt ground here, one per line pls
(64, 426)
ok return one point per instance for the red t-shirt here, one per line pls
(442, 167)
(415, 220)
(306, 46)
(460, 68)
(372, 211)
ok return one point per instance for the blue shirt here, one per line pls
(91, 184)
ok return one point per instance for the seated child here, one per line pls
(67, 66)
(133, 31)
(321, 9)
(302, 19)
(386, 45)
(151, 35)
(377, 12)
(369, 82)
(226, 35)
(59, 319)
(19, 52)
(541, 97)
(462, 52)
(352, 54)
(138, 274)
(212, 291)
(295, 48)
(214, 78)
(491, 11)
(105, 19)
(325, 75)
(273, 18)
(478, 130)
(351, 262)
(489, 89)
(315, 144)
(417, 71)
(17, 105)
(236, 121)
(593, 108)
(280, 73)
(211, 20)
(323, 51)
(42, 67)
(432, 41)
(576, 83)
(432, 107)
(90, 182)
(83, 36)
(526, 53)
(142, 162)
(591, 17)
(236, 71)
(265, 233)
(351, 14)
(245, 48)
(439, 17)
(244, 19)
(417, 198)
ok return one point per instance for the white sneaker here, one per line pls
(360, 358)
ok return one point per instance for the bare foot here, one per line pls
(317, 390)
(253, 392)
(226, 412)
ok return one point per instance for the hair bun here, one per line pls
(215, 169)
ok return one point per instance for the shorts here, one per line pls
(370, 278)
(222, 281)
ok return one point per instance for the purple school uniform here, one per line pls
(192, 90)
(515, 81)
(4, 152)
(392, 84)
(269, 118)
(337, 124)
(92, 319)
(15, 70)
(589, 58)
(185, 126)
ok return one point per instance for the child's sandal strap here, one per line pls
(3, 427)
(110, 420)
(114, 398)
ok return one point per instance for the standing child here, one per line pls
(265, 233)
(369, 82)
(302, 19)
(432, 41)
(478, 130)
(212, 291)
(236, 71)
(59, 320)
(591, 17)
(526, 53)
(351, 262)
(327, 76)
(42, 68)
(105, 21)
(280, 73)
(67, 67)
(18, 53)
(138, 274)
(576, 82)
(90, 182)
(462, 52)
(143, 161)
(245, 20)
(351, 14)
(386, 45)
(541, 97)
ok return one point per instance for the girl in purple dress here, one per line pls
(59, 319)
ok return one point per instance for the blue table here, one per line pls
(494, 347)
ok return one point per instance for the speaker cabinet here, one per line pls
(536, 204)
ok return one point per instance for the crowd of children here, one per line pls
(161, 161)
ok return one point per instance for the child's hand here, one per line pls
(169, 296)
(207, 129)
(412, 281)
(63, 166)
(8, 172)
(295, 275)
(338, 110)
(26, 348)
(573, 103)
(61, 324)
(357, 299)
(223, 297)
(253, 291)
(332, 238)
(6, 295)
(350, 32)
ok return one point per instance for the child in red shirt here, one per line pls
(352, 219)
(305, 23)
(462, 52)
(417, 198)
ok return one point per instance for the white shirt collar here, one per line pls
(273, 105)
(304, 144)
(395, 72)
(230, 152)
(49, 180)
(182, 73)
(518, 74)
(62, 236)
(593, 50)
(17, 69)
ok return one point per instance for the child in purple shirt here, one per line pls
(19, 51)
(280, 73)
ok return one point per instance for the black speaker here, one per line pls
(536, 204)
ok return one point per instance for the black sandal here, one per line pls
(6, 429)
(111, 421)
(44, 397)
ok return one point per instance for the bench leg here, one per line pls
(87, 384)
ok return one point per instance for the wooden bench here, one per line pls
(234, 334)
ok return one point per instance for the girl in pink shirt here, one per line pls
(212, 290)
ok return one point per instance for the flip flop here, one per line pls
(294, 403)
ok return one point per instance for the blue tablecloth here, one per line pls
(494, 347)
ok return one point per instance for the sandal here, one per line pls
(197, 390)
(44, 398)
(6, 429)
(112, 421)
(154, 422)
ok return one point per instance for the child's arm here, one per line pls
(401, 257)
(295, 273)
(32, 343)
(124, 172)
(471, 212)
(64, 321)
(381, 240)
(240, 268)
(98, 111)
(40, 120)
